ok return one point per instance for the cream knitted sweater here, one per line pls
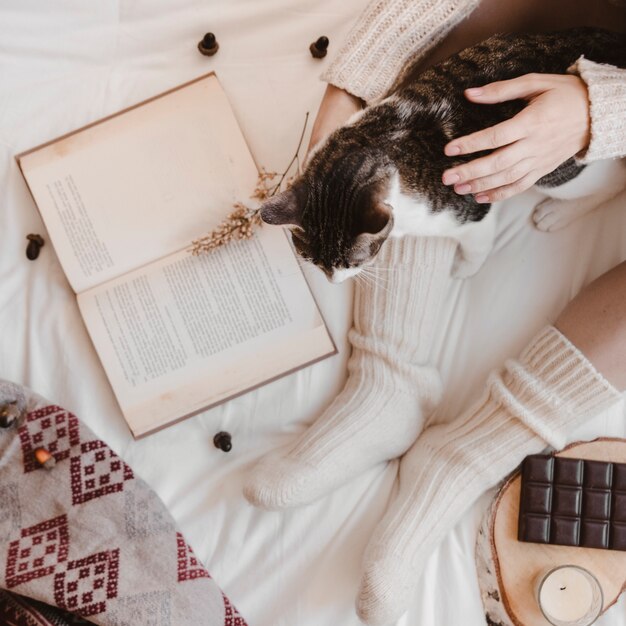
(390, 32)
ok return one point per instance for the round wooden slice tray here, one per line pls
(508, 568)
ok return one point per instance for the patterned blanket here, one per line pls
(82, 533)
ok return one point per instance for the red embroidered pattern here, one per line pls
(188, 565)
(86, 584)
(97, 471)
(51, 428)
(231, 614)
(37, 551)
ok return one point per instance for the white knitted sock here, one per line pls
(390, 388)
(534, 401)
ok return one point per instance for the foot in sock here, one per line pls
(535, 401)
(390, 389)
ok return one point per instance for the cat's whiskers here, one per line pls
(378, 268)
(371, 280)
(372, 272)
(375, 276)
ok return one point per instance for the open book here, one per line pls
(122, 199)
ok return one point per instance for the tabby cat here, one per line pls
(380, 174)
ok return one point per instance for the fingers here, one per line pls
(490, 138)
(523, 87)
(550, 129)
(497, 161)
(508, 191)
(504, 177)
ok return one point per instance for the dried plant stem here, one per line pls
(243, 221)
(295, 156)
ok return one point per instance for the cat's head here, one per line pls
(336, 210)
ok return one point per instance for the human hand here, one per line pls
(553, 127)
(336, 108)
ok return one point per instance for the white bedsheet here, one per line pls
(66, 63)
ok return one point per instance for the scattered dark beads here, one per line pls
(319, 48)
(35, 243)
(223, 441)
(9, 414)
(208, 46)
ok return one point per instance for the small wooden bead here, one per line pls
(223, 441)
(208, 46)
(9, 413)
(44, 458)
(35, 243)
(319, 48)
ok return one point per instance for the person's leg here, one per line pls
(391, 385)
(566, 375)
(595, 322)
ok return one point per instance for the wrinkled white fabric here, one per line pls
(68, 63)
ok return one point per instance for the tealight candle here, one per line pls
(570, 596)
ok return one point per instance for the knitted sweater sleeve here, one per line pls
(606, 85)
(386, 36)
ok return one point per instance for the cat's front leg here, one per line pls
(476, 241)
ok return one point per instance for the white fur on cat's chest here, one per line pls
(597, 183)
(412, 216)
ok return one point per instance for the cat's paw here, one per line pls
(468, 262)
(552, 214)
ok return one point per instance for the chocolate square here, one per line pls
(565, 531)
(598, 474)
(538, 468)
(597, 504)
(594, 534)
(619, 477)
(619, 507)
(534, 528)
(568, 471)
(618, 536)
(567, 501)
(538, 498)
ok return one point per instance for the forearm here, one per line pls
(606, 86)
(386, 36)
(336, 108)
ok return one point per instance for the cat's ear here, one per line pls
(373, 218)
(283, 208)
(367, 245)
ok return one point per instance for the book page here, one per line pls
(187, 332)
(141, 184)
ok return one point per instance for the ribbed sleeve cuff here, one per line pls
(417, 251)
(606, 85)
(387, 35)
(552, 387)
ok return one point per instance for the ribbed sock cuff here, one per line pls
(553, 387)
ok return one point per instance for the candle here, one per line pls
(570, 596)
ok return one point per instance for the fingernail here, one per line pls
(481, 197)
(450, 179)
(474, 91)
(464, 188)
(453, 150)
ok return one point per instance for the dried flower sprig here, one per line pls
(244, 221)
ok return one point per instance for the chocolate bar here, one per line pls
(573, 502)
